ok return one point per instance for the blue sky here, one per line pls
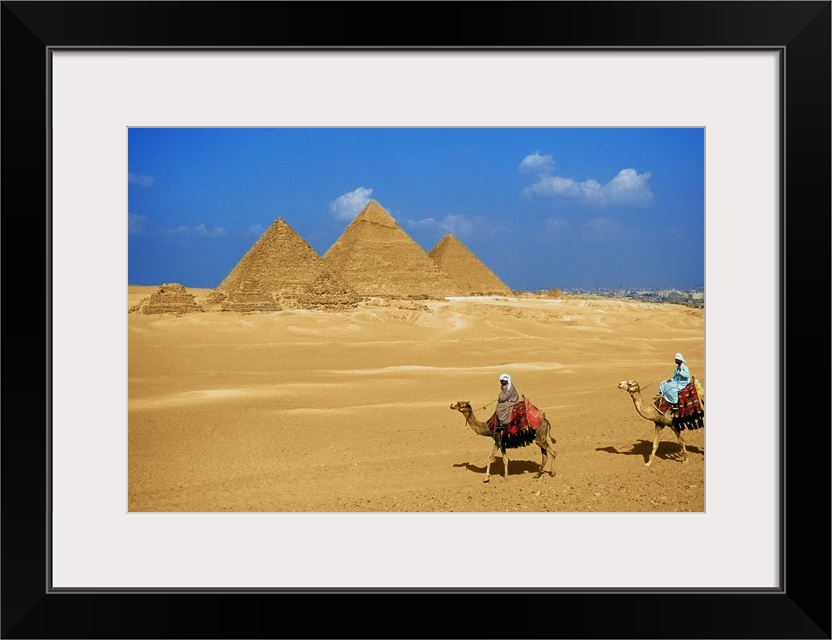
(541, 207)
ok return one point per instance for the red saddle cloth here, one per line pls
(534, 415)
(691, 411)
(525, 420)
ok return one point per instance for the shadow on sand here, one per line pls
(668, 450)
(515, 467)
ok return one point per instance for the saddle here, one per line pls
(689, 413)
(521, 428)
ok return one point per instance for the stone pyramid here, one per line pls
(377, 258)
(280, 264)
(465, 269)
(170, 298)
(248, 297)
(328, 293)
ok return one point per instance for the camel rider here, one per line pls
(670, 388)
(505, 401)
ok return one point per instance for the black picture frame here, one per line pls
(800, 608)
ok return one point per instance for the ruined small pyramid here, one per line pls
(328, 293)
(280, 263)
(171, 298)
(249, 297)
(465, 269)
(376, 257)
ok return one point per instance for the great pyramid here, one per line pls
(377, 258)
(465, 269)
(280, 265)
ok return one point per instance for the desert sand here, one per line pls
(303, 410)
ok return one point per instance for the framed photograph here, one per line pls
(88, 554)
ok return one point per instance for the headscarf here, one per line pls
(507, 378)
(679, 357)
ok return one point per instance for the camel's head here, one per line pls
(630, 386)
(461, 405)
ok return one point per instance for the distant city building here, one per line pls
(688, 297)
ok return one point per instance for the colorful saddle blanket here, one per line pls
(525, 420)
(691, 411)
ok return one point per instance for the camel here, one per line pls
(543, 439)
(648, 411)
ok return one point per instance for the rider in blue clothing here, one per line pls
(669, 389)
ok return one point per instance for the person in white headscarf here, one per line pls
(506, 400)
(670, 388)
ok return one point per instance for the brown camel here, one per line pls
(543, 439)
(649, 411)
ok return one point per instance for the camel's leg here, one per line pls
(550, 449)
(488, 463)
(543, 459)
(655, 446)
(505, 465)
(681, 438)
(551, 458)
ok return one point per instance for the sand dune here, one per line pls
(316, 411)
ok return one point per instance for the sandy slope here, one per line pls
(331, 412)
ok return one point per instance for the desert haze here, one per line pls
(302, 410)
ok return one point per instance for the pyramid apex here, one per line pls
(374, 212)
(447, 241)
(372, 205)
(280, 262)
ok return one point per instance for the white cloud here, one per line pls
(346, 207)
(454, 223)
(536, 164)
(554, 186)
(424, 222)
(628, 186)
(199, 230)
(139, 179)
(135, 223)
(593, 191)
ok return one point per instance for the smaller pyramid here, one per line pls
(465, 269)
(249, 297)
(280, 263)
(375, 257)
(171, 298)
(328, 293)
